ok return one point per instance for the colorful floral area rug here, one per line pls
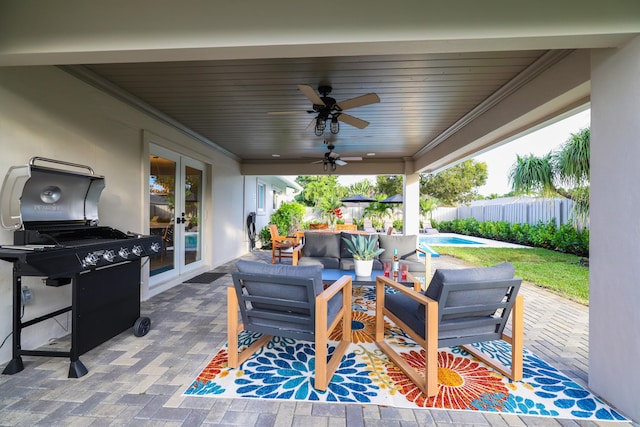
(284, 369)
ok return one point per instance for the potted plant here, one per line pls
(364, 250)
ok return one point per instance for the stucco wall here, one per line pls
(46, 112)
(614, 317)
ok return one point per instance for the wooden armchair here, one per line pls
(289, 302)
(459, 307)
(281, 246)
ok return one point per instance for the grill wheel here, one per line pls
(142, 326)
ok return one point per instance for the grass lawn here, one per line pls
(559, 272)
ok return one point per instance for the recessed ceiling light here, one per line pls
(371, 154)
(275, 155)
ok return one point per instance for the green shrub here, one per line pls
(288, 218)
(569, 240)
(565, 239)
(397, 224)
(265, 237)
(359, 223)
(542, 234)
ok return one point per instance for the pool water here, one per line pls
(447, 240)
(425, 241)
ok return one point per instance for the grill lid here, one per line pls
(36, 194)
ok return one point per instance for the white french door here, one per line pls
(175, 209)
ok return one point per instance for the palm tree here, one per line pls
(428, 204)
(363, 187)
(548, 174)
(378, 212)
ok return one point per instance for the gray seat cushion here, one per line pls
(412, 313)
(321, 261)
(348, 264)
(406, 309)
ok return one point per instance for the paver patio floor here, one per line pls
(139, 381)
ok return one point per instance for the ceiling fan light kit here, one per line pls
(331, 111)
(332, 160)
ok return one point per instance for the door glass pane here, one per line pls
(162, 183)
(193, 207)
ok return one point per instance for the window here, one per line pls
(262, 192)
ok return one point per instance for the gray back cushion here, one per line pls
(278, 290)
(274, 290)
(406, 246)
(442, 277)
(321, 245)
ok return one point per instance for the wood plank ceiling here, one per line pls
(228, 101)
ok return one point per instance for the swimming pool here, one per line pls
(447, 240)
(425, 242)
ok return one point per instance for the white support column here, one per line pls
(411, 205)
(614, 316)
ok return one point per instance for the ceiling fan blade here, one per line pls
(340, 162)
(351, 159)
(358, 101)
(317, 161)
(310, 93)
(353, 121)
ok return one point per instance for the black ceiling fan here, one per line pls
(330, 112)
(332, 159)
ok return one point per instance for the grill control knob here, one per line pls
(155, 247)
(90, 259)
(109, 255)
(124, 253)
(137, 250)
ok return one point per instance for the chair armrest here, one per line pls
(335, 287)
(422, 251)
(382, 281)
(297, 253)
(283, 239)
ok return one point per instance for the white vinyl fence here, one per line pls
(513, 210)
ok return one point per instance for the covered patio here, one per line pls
(113, 84)
(140, 381)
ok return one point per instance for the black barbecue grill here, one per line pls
(54, 214)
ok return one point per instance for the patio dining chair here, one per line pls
(290, 302)
(460, 307)
(281, 246)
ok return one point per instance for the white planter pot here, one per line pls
(363, 268)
